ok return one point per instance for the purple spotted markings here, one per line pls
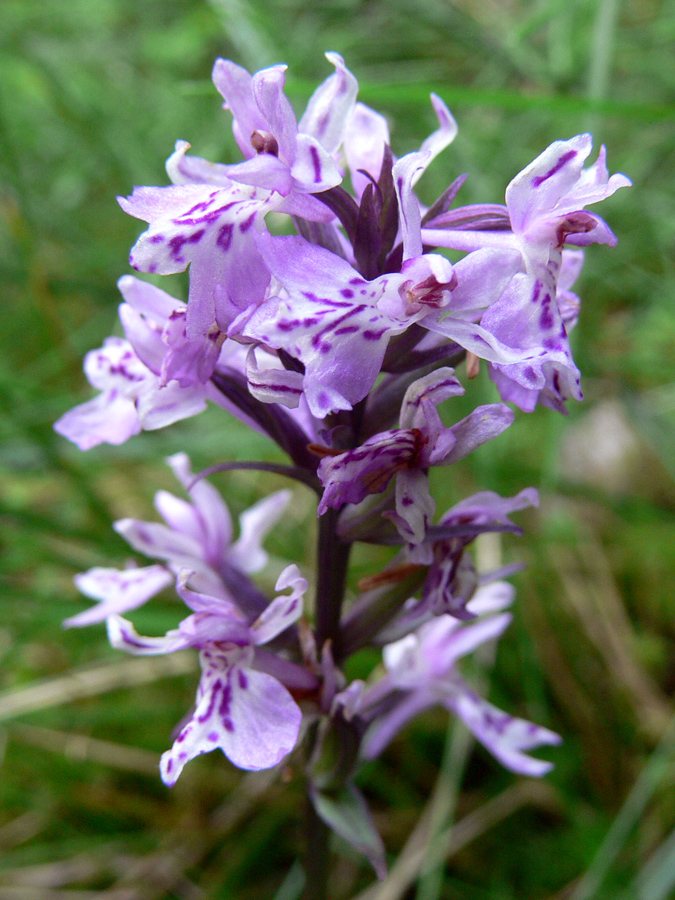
(246, 712)
(406, 453)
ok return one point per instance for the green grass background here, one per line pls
(92, 97)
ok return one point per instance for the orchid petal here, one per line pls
(330, 106)
(214, 516)
(482, 425)
(366, 135)
(248, 714)
(273, 385)
(209, 228)
(109, 418)
(247, 554)
(505, 736)
(234, 83)
(118, 591)
(284, 610)
(123, 636)
(440, 139)
(183, 169)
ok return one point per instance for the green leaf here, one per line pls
(347, 813)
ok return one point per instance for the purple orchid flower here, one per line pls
(246, 712)
(545, 206)
(452, 578)
(407, 452)
(281, 155)
(155, 325)
(207, 217)
(132, 398)
(329, 313)
(423, 667)
(552, 378)
(197, 536)
(118, 591)
(209, 228)
(156, 377)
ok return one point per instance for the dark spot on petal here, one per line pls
(546, 319)
(224, 239)
(316, 162)
(564, 159)
(244, 227)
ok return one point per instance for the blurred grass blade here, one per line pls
(651, 777)
(293, 884)
(89, 681)
(657, 879)
(459, 742)
(602, 49)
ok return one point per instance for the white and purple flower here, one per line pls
(545, 208)
(407, 453)
(421, 670)
(197, 536)
(245, 711)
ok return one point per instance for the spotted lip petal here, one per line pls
(528, 316)
(133, 398)
(248, 714)
(545, 204)
(328, 314)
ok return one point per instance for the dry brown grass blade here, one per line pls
(82, 747)
(415, 855)
(54, 875)
(27, 892)
(152, 877)
(92, 680)
(23, 828)
(591, 590)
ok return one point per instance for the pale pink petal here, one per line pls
(247, 553)
(248, 714)
(118, 590)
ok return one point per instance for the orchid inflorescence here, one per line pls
(339, 342)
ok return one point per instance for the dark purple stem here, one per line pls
(332, 563)
(294, 472)
(317, 855)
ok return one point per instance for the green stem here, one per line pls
(332, 561)
(317, 855)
